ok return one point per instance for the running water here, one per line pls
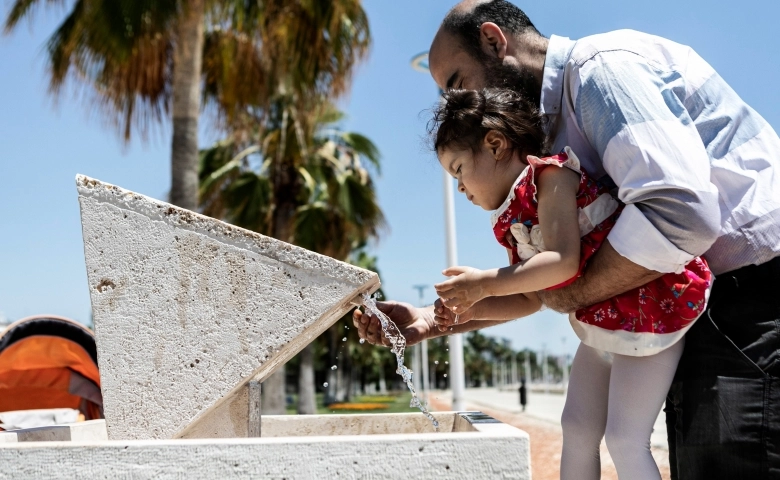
(397, 346)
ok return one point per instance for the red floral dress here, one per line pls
(639, 322)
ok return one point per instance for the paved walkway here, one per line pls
(541, 421)
(543, 406)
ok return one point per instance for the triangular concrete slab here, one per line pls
(187, 309)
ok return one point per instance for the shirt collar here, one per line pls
(558, 51)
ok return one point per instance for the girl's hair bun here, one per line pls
(463, 106)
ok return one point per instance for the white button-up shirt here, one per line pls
(698, 169)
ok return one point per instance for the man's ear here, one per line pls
(492, 40)
(497, 143)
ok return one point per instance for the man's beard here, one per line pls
(522, 81)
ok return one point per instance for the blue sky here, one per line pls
(43, 144)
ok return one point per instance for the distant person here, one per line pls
(523, 394)
(552, 218)
(698, 170)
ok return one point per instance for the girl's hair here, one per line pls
(464, 117)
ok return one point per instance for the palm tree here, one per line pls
(144, 61)
(298, 178)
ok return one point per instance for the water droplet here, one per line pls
(325, 384)
(445, 375)
(344, 339)
(334, 367)
(448, 349)
(362, 341)
(446, 362)
(436, 362)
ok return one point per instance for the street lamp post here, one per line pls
(527, 366)
(457, 370)
(425, 366)
(565, 367)
(544, 368)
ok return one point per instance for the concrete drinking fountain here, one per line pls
(190, 315)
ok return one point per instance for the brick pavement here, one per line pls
(546, 440)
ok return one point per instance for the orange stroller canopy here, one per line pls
(48, 361)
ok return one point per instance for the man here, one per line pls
(699, 171)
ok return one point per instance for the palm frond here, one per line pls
(234, 72)
(363, 146)
(23, 8)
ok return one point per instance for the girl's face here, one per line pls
(485, 177)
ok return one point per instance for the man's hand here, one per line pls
(445, 319)
(466, 288)
(415, 324)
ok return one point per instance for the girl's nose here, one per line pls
(461, 188)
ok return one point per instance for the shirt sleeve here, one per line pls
(632, 114)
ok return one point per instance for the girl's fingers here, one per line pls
(452, 271)
(443, 287)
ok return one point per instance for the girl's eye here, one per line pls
(458, 170)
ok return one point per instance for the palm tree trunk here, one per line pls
(273, 395)
(187, 60)
(330, 392)
(307, 404)
(285, 195)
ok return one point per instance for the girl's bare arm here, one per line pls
(487, 312)
(557, 208)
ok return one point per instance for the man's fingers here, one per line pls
(372, 330)
(360, 321)
(451, 302)
(357, 318)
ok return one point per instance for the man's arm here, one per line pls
(651, 149)
(608, 274)
(490, 309)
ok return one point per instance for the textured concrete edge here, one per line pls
(434, 456)
(219, 230)
(401, 438)
(296, 345)
(473, 455)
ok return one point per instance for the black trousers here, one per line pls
(723, 408)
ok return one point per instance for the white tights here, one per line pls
(617, 400)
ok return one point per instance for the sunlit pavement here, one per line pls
(543, 406)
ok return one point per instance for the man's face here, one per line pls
(453, 67)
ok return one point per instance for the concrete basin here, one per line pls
(469, 445)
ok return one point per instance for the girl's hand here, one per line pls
(444, 319)
(464, 290)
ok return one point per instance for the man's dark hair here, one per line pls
(465, 25)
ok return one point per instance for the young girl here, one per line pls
(552, 218)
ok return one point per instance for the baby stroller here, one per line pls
(49, 362)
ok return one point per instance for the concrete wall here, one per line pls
(470, 456)
(187, 309)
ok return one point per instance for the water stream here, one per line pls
(397, 346)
